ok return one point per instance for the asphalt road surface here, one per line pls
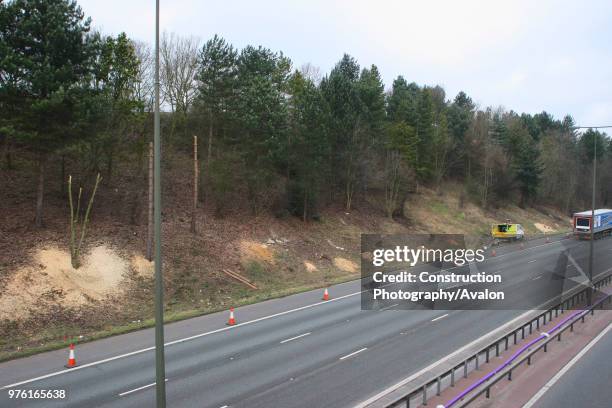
(297, 351)
(585, 383)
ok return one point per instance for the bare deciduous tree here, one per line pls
(311, 72)
(393, 181)
(144, 85)
(77, 245)
(442, 146)
(179, 57)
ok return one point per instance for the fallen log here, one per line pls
(239, 278)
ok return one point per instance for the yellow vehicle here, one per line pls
(507, 231)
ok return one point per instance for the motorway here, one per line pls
(297, 351)
(584, 382)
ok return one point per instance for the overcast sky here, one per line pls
(527, 56)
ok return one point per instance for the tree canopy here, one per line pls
(288, 140)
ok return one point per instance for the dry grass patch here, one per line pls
(255, 251)
(345, 265)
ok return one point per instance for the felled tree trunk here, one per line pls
(150, 206)
(195, 185)
(40, 191)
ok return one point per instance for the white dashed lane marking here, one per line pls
(353, 353)
(295, 338)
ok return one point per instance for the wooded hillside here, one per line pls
(292, 165)
(272, 136)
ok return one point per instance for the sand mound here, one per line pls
(52, 279)
(543, 227)
(310, 267)
(142, 266)
(255, 250)
(345, 265)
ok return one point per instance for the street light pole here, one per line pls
(160, 369)
(591, 246)
(592, 243)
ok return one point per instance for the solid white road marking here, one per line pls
(295, 338)
(532, 261)
(436, 363)
(388, 307)
(458, 351)
(144, 350)
(565, 369)
(139, 388)
(439, 317)
(537, 277)
(353, 353)
(106, 360)
(225, 406)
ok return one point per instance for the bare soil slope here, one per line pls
(44, 300)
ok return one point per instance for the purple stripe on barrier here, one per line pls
(513, 357)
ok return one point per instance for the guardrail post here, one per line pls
(487, 355)
(408, 401)
(582, 319)
(592, 311)
(544, 319)
(572, 327)
(506, 343)
(438, 386)
(515, 337)
(538, 323)
(497, 349)
(523, 333)
(530, 328)
(488, 394)
(476, 361)
(425, 394)
(550, 315)
(545, 345)
(453, 377)
(559, 337)
(465, 367)
(529, 360)
(556, 312)
(510, 375)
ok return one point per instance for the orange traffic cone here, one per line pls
(326, 294)
(71, 359)
(231, 320)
